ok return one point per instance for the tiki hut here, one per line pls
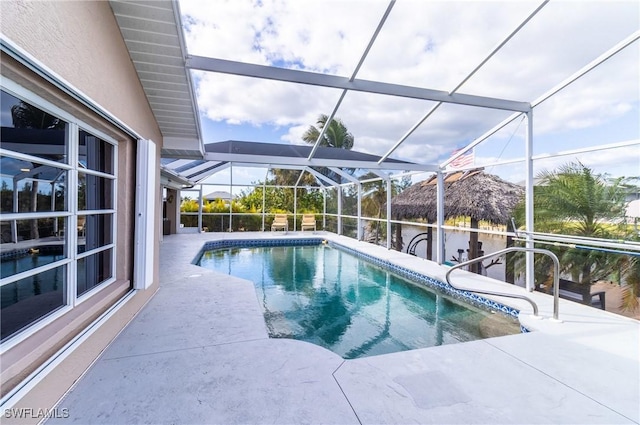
(474, 194)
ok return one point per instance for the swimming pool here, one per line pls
(322, 294)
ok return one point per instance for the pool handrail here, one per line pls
(556, 276)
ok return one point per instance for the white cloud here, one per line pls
(426, 44)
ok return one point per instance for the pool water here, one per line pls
(31, 298)
(328, 297)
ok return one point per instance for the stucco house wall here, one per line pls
(81, 43)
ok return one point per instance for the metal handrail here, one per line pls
(556, 276)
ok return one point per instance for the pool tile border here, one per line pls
(414, 276)
(255, 243)
(468, 297)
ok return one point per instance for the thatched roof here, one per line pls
(474, 194)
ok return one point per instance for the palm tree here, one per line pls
(336, 135)
(573, 200)
(631, 291)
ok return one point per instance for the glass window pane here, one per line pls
(30, 299)
(29, 130)
(21, 260)
(41, 232)
(95, 153)
(94, 193)
(93, 270)
(94, 231)
(38, 187)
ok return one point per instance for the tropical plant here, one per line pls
(573, 200)
(374, 199)
(631, 290)
(336, 134)
(309, 199)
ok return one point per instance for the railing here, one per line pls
(556, 276)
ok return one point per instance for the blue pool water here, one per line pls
(328, 297)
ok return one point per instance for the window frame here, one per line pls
(70, 214)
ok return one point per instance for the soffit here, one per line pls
(150, 30)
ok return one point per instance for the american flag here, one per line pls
(464, 160)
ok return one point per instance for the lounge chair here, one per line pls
(280, 222)
(308, 222)
(581, 293)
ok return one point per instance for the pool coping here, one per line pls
(581, 370)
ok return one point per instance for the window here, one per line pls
(57, 211)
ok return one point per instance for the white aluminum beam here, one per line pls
(321, 177)
(529, 209)
(464, 80)
(382, 175)
(344, 175)
(440, 236)
(277, 161)
(353, 76)
(389, 215)
(170, 178)
(628, 143)
(359, 220)
(326, 125)
(333, 81)
(203, 176)
(194, 171)
(600, 59)
(299, 178)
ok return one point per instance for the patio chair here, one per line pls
(308, 222)
(280, 222)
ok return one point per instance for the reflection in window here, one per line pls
(39, 231)
(30, 299)
(93, 270)
(30, 130)
(95, 154)
(94, 231)
(38, 188)
(28, 259)
(35, 194)
(94, 193)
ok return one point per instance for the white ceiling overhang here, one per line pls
(154, 38)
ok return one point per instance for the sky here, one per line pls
(427, 44)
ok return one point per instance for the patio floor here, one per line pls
(199, 353)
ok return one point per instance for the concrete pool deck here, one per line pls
(199, 353)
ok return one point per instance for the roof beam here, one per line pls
(344, 175)
(337, 82)
(316, 162)
(465, 79)
(593, 64)
(321, 177)
(299, 178)
(353, 76)
(197, 169)
(209, 172)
